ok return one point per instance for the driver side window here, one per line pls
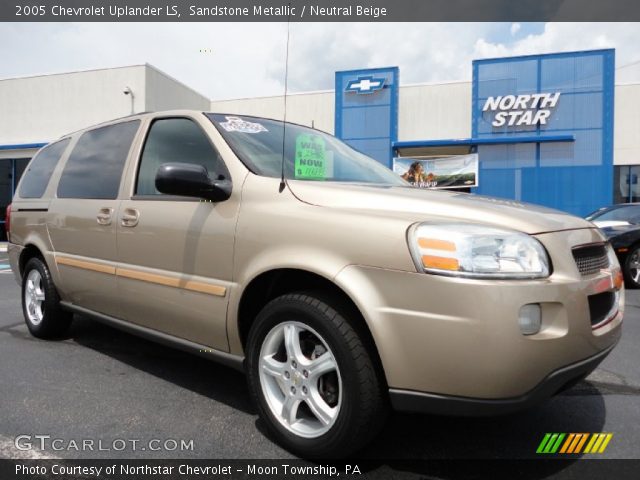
(172, 140)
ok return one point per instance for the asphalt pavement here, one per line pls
(104, 386)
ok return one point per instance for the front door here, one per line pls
(175, 253)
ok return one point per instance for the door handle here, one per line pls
(104, 216)
(130, 217)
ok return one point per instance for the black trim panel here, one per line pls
(224, 358)
(432, 403)
(32, 210)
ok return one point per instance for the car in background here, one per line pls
(621, 225)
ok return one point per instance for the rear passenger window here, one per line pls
(176, 140)
(36, 178)
(94, 168)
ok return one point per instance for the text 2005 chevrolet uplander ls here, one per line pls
(340, 290)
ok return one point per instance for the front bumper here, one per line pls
(456, 337)
(561, 379)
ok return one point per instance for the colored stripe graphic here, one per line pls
(551, 443)
(567, 443)
(605, 442)
(543, 443)
(581, 443)
(591, 442)
(554, 449)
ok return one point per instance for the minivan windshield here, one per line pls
(309, 154)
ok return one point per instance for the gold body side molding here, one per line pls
(192, 285)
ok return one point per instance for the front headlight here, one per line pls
(477, 251)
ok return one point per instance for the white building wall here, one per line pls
(314, 108)
(425, 111)
(626, 125)
(268, 107)
(165, 93)
(435, 112)
(41, 109)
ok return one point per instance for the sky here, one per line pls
(237, 60)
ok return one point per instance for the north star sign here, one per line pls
(517, 110)
(366, 84)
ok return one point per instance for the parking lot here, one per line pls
(101, 384)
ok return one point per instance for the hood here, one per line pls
(419, 205)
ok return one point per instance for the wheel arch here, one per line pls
(30, 251)
(276, 282)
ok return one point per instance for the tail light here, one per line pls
(7, 224)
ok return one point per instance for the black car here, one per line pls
(621, 225)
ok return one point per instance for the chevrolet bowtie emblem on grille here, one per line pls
(366, 84)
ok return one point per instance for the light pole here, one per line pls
(128, 91)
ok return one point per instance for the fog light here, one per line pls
(530, 319)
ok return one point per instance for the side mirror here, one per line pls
(189, 180)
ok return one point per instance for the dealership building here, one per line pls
(556, 129)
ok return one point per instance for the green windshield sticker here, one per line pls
(311, 160)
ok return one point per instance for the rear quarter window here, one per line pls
(95, 165)
(36, 177)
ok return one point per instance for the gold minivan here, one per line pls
(337, 287)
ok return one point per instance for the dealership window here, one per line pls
(10, 172)
(626, 184)
(6, 169)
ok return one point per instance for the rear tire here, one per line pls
(312, 378)
(41, 302)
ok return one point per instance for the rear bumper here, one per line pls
(555, 382)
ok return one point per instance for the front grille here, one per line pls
(601, 306)
(591, 259)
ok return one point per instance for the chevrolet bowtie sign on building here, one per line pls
(366, 110)
(366, 84)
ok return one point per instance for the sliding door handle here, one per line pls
(130, 217)
(104, 216)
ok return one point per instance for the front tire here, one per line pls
(41, 303)
(312, 378)
(632, 268)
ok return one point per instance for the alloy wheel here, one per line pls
(34, 297)
(300, 379)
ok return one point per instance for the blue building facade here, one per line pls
(565, 160)
(367, 110)
(542, 125)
